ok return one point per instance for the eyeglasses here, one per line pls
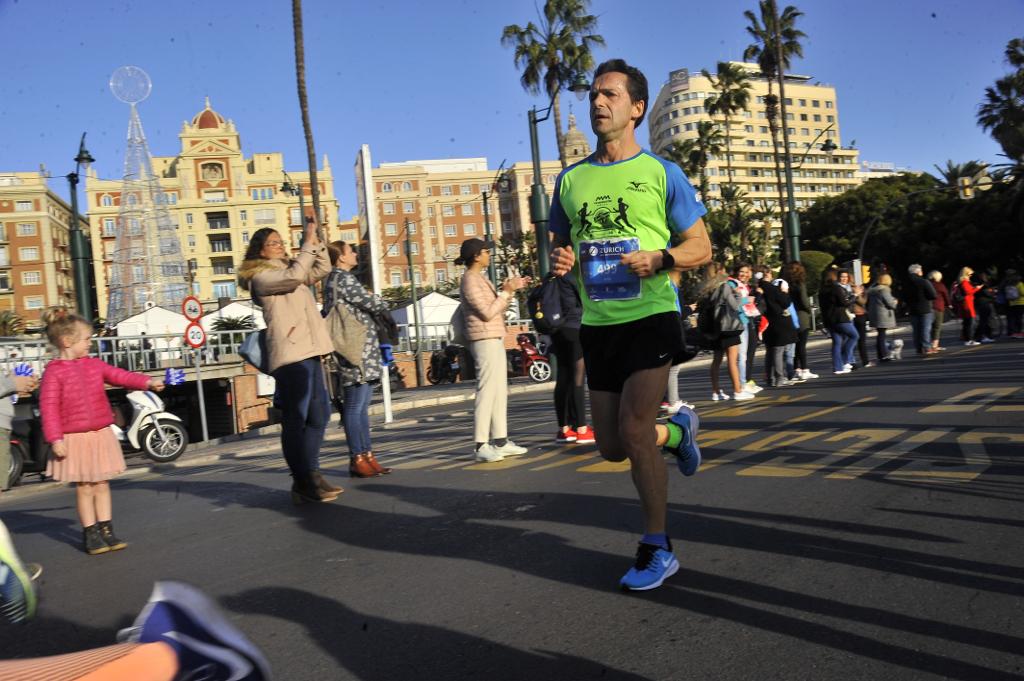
(273, 243)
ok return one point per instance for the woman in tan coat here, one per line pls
(484, 310)
(296, 339)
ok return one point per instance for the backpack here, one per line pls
(958, 294)
(458, 326)
(544, 305)
(1011, 292)
(718, 314)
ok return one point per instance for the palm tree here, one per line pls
(11, 324)
(307, 128)
(733, 86)
(948, 176)
(554, 50)
(692, 155)
(241, 323)
(1002, 113)
(763, 51)
(767, 215)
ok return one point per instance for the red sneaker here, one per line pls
(566, 435)
(585, 436)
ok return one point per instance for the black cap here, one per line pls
(471, 249)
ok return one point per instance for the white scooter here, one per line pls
(151, 429)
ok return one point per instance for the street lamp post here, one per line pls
(540, 206)
(79, 246)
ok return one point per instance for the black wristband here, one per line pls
(667, 261)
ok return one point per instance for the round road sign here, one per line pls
(191, 308)
(194, 335)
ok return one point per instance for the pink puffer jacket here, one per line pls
(483, 308)
(72, 398)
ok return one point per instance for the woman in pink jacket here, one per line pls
(484, 310)
(76, 423)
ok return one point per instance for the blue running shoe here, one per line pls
(653, 566)
(687, 453)
(207, 644)
(17, 594)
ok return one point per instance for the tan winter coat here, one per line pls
(483, 308)
(295, 329)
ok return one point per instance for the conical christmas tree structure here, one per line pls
(148, 267)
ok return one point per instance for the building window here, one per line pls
(220, 244)
(469, 230)
(407, 207)
(450, 230)
(188, 218)
(192, 240)
(448, 210)
(106, 200)
(386, 187)
(414, 248)
(23, 206)
(245, 237)
(748, 128)
(27, 229)
(396, 279)
(829, 105)
(467, 209)
(32, 278)
(433, 230)
(830, 119)
(411, 226)
(506, 226)
(296, 238)
(406, 186)
(803, 117)
(28, 253)
(393, 250)
(390, 229)
(263, 194)
(215, 197)
(224, 289)
(5, 281)
(264, 216)
(388, 207)
(109, 227)
(243, 215)
(223, 266)
(430, 211)
(34, 302)
(446, 190)
(803, 102)
(427, 191)
(466, 189)
(805, 131)
(440, 276)
(816, 103)
(217, 221)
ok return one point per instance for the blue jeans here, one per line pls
(844, 342)
(789, 355)
(355, 417)
(302, 397)
(742, 361)
(922, 325)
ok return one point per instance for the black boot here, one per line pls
(111, 540)
(325, 486)
(94, 543)
(305, 490)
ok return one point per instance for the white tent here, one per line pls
(155, 321)
(239, 308)
(435, 310)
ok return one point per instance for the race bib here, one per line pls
(604, 276)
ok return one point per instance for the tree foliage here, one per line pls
(815, 262)
(732, 88)
(239, 323)
(1002, 112)
(11, 324)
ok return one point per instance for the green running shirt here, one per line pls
(606, 210)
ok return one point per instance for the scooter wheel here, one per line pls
(540, 371)
(17, 466)
(167, 444)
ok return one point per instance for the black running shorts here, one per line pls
(613, 353)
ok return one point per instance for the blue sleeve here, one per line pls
(558, 221)
(682, 208)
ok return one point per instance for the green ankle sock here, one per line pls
(675, 435)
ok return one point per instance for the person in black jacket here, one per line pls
(919, 296)
(781, 331)
(985, 307)
(835, 311)
(570, 407)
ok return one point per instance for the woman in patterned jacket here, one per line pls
(343, 288)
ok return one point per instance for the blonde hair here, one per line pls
(59, 323)
(935, 275)
(885, 280)
(965, 273)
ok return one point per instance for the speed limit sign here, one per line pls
(191, 308)
(194, 335)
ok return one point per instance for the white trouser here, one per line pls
(490, 415)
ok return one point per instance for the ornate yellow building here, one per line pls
(218, 198)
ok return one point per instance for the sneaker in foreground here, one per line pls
(585, 435)
(687, 452)
(970, 342)
(652, 567)
(719, 396)
(806, 373)
(17, 594)
(208, 646)
(743, 395)
(844, 371)
(848, 366)
(512, 449)
(986, 340)
(488, 454)
(752, 388)
(565, 435)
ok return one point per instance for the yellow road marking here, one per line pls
(968, 401)
(514, 461)
(756, 405)
(976, 459)
(567, 461)
(865, 438)
(1007, 407)
(785, 438)
(828, 410)
(606, 467)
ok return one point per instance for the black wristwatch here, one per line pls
(667, 261)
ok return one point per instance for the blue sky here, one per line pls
(419, 80)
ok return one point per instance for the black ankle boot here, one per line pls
(305, 490)
(107, 533)
(93, 541)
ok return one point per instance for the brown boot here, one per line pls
(325, 486)
(359, 467)
(306, 491)
(381, 470)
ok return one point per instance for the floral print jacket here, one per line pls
(342, 287)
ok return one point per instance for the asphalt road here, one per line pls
(857, 527)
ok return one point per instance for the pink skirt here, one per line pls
(94, 456)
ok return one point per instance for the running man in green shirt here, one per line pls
(614, 216)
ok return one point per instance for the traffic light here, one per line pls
(964, 188)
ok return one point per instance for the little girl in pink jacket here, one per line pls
(76, 423)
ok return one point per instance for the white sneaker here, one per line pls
(720, 395)
(510, 449)
(806, 373)
(986, 339)
(488, 454)
(970, 342)
(752, 388)
(743, 395)
(673, 407)
(848, 367)
(846, 370)
(687, 405)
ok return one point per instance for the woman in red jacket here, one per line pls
(963, 300)
(76, 423)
